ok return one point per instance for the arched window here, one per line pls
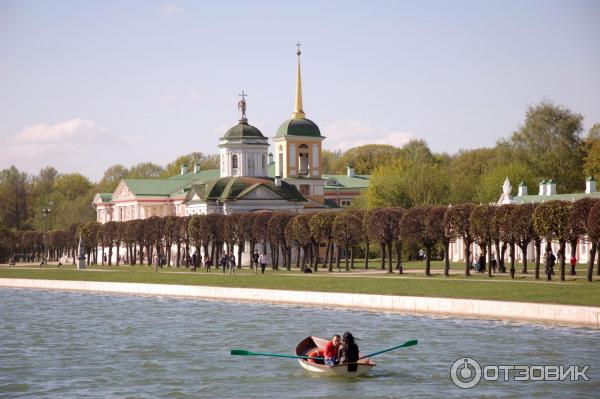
(234, 162)
(251, 167)
(264, 161)
(303, 159)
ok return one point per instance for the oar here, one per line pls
(404, 345)
(241, 352)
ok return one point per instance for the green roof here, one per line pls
(345, 182)
(243, 130)
(105, 197)
(233, 188)
(166, 187)
(563, 197)
(299, 127)
(203, 175)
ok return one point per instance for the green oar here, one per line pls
(404, 345)
(241, 352)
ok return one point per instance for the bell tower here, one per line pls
(298, 146)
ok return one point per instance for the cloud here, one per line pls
(68, 131)
(346, 134)
(171, 9)
(71, 145)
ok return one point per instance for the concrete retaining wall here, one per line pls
(588, 316)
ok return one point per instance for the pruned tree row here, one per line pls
(324, 238)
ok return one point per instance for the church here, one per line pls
(249, 177)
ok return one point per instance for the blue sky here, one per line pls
(85, 85)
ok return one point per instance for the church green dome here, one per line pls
(299, 127)
(243, 130)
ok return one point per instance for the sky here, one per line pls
(88, 84)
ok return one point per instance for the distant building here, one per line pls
(248, 178)
(546, 192)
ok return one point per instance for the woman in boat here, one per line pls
(330, 352)
(348, 352)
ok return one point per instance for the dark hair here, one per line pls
(337, 335)
(348, 338)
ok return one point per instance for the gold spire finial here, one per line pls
(299, 112)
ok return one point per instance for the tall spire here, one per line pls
(299, 112)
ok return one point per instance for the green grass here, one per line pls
(501, 287)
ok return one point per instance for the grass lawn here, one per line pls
(576, 291)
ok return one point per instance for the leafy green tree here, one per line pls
(366, 158)
(300, 234)
(13, 198)
(465, 171)
(111, 178)
(234, 235)
(490, 184)
(550, 141)
(524, 232)
(145, 170)
(551, 221)
(206, 161)
(507, 219)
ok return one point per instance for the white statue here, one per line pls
(506, 188)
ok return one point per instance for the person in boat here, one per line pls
(330, 352)
(348, 351)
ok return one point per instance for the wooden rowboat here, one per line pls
(314, 346)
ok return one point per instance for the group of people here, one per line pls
(341, 350)
(259, 260)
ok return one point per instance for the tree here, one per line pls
(414, 229)
(591, 160)
(171, 234)
(145, 170)
(246, 230)
(405, 183)
(111, 178)
(277, 226)
(13, 198)
(506, 219)
(383, 225)
(482, 228)
(550, 141)
(261, 229)
(593, 230)
(198, 235)
(347, 231)
(366, 158)
(578, 224)
(457, 224)
(437, 230)
(109, 233)
(490, 184)
(206, 161)
(465, 171)
(234, 236)
(551, 221)
(300, 234)
(89, 233)
(320, 225)
(524, 231)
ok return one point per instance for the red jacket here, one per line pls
(331, 351)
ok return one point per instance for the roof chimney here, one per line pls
(590, 185)
(350, 170)
(550, 187)
(184, 169)
(277, 181)
(522, 189)
(542, 187)
(197, 167)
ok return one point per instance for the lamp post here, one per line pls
(45, 212)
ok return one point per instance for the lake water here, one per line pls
(85, 345)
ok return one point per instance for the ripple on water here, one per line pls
(74, 345)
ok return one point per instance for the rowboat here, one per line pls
(314, 347)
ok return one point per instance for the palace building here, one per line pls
(248, 178)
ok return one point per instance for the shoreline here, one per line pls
(570, 315)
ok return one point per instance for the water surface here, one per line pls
(74, 345)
